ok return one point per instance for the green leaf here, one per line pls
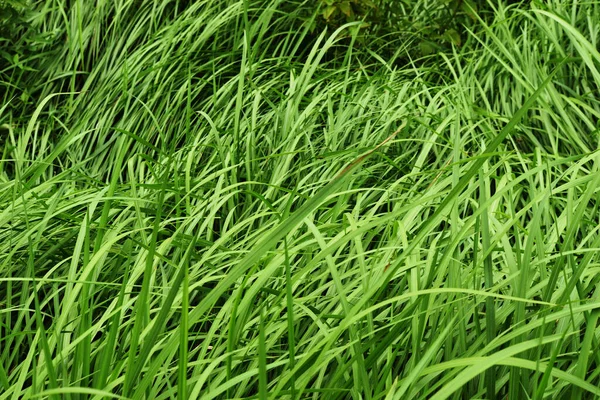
(469, 8)
(328, 12)
(368, 3)
(345, 8)
(427, 48)
(452, 36)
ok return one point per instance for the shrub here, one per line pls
(13, 25)
(12, 18)
(418, 28)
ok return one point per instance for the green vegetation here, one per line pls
(414, 27)
(222, 199)
(13, 31)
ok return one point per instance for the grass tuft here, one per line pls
(205, 200)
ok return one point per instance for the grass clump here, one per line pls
(202, 201)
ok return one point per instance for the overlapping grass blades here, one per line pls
(188, 209)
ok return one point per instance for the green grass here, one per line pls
(206, 201)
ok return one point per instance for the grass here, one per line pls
(205, 201)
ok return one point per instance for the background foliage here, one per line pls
(253, 199)
(416, 28)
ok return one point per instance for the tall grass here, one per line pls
(205, 201)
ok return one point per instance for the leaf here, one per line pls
(469, 8)
(427, 48)
(310, 24)
(368, 3)
(328, 12)
(451, 35)
(345, 8)
(17, 62)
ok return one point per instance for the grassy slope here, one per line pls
(176, 218)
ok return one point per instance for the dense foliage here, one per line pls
(300, 199)
(406, 29)
(12, 14)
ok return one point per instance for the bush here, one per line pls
(12, 18)
(13, 26)
(417, 28)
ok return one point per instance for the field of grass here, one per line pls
(205, 200)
